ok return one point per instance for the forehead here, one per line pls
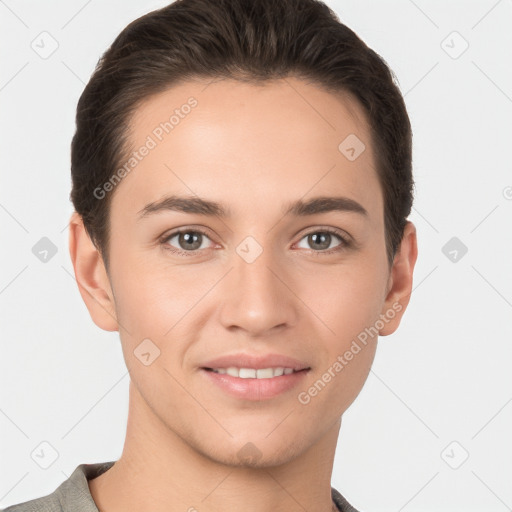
(250, 145)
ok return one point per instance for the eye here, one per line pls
(188, 241)
(321, 241)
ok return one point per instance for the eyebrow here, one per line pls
(299, 208)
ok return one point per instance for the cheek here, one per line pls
(152, 303)
(349, 303)
(151, 297)
(347, 299)
(350, 307)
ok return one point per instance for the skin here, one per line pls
(255, 149)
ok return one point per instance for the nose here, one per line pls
(257, 296)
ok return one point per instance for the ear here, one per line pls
(91, 276)
(400, 281)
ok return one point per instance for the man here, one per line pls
(242, 180)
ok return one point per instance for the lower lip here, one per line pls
(255, 389)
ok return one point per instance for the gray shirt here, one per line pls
(73, 494)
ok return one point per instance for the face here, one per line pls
(221, 247)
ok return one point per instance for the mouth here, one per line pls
(255, 373)
(254, 384)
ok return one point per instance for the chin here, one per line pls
(260, 453)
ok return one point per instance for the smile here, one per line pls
(253, 373)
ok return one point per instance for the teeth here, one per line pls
(264, 373)
(246, 373)
(252, 373)
(233, 372)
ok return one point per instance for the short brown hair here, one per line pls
(248, 40)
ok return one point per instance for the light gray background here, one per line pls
(443, 377)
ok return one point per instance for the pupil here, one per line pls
(189, 239)
(321, 240)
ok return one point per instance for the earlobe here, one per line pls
(91, 276)
(400, 281)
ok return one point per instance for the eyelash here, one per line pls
(345, 242)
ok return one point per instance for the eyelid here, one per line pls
(328, 229)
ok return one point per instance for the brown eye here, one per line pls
(320, 240)
(323, 241)
(186, 241)
(190, 241)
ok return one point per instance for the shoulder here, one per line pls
(342, 504)
(48, 503)
(72, 495)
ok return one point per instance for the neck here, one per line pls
(160, 471)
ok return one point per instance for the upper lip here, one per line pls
(256, 362)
